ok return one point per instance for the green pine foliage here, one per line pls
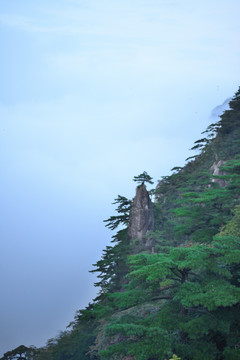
(142, 178)
(192, 282)
(184, 298)
(205, 212)
(112, 267)
(22, 352)
(198, 295)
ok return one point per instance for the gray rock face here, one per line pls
(215, 169)
(141, 221)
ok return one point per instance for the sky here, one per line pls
(93, 93)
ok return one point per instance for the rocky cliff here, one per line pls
(141, 221)
(216, 171)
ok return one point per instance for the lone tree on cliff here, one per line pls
(142, 178)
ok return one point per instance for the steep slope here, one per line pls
(169, 284)
(185, 297)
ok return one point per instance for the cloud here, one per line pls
(122, 40)
(25, 23)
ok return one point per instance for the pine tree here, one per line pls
(143, 178)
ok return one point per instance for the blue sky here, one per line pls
(93, 93)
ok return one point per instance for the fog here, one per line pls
(92, 94)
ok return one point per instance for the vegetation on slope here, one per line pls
(184, 298)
